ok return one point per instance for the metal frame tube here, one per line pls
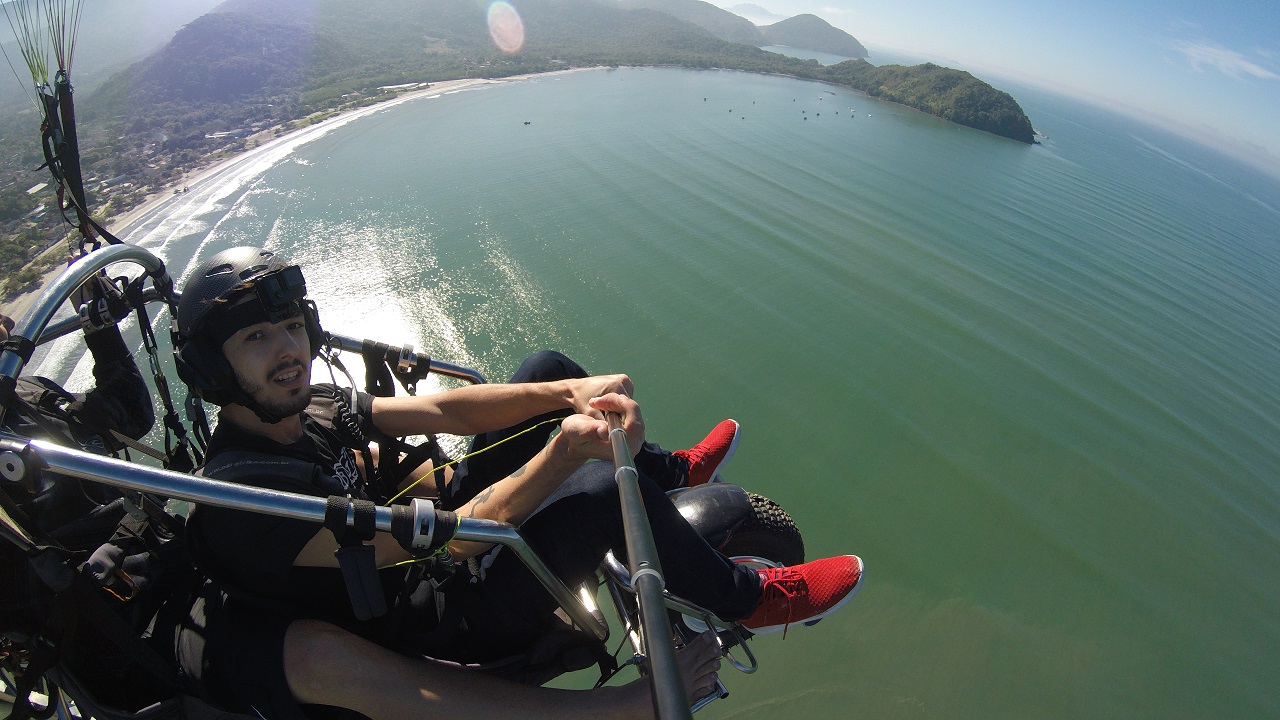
(62, 328)
(122, 474)
(351, 344)
(33, 324)
(666, 684)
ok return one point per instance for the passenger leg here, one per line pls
(328, 666)
(506, 450)
(571, 533)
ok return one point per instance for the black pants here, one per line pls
(506, 607)
(479, 472)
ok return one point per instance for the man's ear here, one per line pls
(204, 370)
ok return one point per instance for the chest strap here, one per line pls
(355, 558)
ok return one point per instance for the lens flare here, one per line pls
(505, 27)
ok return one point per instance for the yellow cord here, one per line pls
(411, 485)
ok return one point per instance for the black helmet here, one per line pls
(208, 314)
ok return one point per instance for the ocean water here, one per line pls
(1036, 388)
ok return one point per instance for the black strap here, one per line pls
(75, 597)
(94, 609)
(398, 458)
(377, 374)
(378, 380)
(19, 345)
(59, 435)
(364, 526)
(357, 560)
(182, 454)
(42, 656)
(56, 433)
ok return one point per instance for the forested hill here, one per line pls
(253, 66)
(952, 95)
(808, 32)
(813, 33)
(717, 21)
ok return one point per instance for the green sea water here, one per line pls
(1036, 388)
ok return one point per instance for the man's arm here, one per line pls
(581, 438)
(514, 498)
(475, 409)
(119, 399)
(510, 500)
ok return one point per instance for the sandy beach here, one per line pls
(18, 306)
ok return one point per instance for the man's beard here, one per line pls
(294, 404)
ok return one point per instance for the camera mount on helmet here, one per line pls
(279, 290)
(273, 296)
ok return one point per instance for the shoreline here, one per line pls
(17, 306)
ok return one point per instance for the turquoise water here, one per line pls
(1036, 388)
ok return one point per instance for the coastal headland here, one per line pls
(213, 92)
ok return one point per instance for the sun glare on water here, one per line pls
(505, 27)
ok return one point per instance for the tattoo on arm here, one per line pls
(484, 496)
(479, 500)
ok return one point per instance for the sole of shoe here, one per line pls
(770, 629)
(733, 447)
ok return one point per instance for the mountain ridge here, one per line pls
(247, 70)
(813, 33)
(759, 16)
(248, 66)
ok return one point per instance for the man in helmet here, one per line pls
(247, 336)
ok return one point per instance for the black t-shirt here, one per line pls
(251, 554)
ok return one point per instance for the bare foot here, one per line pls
(698, 660)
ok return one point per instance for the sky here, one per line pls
(1207, 70)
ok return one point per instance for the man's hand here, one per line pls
(100, 303)
(588, 435)
(586, 389)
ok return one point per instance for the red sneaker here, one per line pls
(804, 593)
(706, 458)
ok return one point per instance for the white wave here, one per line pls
(353, 295)
(1204, 173)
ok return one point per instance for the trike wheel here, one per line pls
(768, 533)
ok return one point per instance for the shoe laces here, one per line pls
(695, 454)
(784, 584)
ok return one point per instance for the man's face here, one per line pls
(272, 363)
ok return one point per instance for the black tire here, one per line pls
(769, 533)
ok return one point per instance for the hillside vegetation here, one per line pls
(719, 22)
(256, 67)
(813, 33)
(253, 64)
(952, 95)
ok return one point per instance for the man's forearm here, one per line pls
(470, 410)
(514, 498)
(119, 399)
